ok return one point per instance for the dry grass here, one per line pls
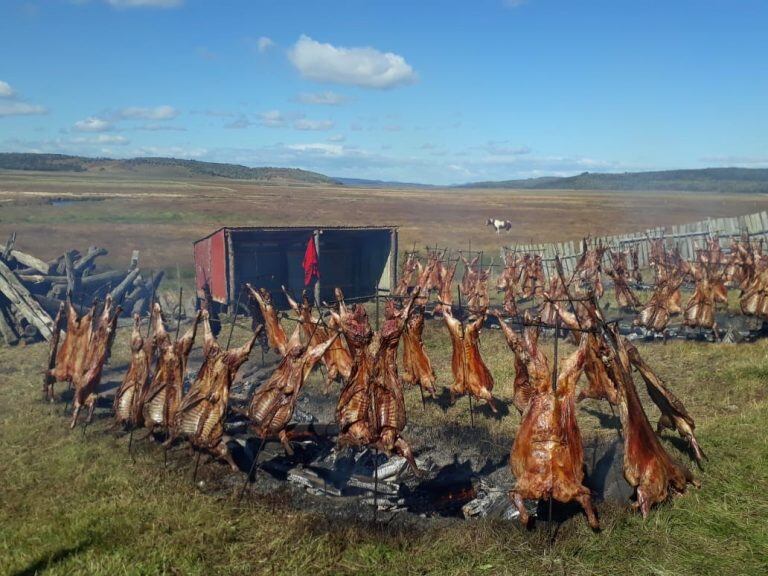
(164, 217)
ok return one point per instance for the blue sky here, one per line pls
(419, 90)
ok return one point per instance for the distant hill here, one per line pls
(158, 167)
(702, 180)
(363, 183)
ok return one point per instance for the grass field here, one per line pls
(78, 505)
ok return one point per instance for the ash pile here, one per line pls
(32, 289)
(465, 476)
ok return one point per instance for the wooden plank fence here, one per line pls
(686, 237)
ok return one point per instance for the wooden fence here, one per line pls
(687, 237)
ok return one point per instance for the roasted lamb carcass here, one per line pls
(664, 303)
(625, 298)
(272, 405)
(647, 465)
(700, 309)
(163, 397)
(201, 413)
(407, 275)
(275, 334)
(600, 386)
(470, 374)
(589, 269)
(673, 414)
(388, 404)
(445, 291)
(371, 408)
(417, 369)
(336, 359)
(470, 274)
(353, 411)
(478, 299)
(556, 291)
(71, 354)
(128, 398)
(547, 457)
(86, 383)
(528, 357)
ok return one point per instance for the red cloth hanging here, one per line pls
(310, 263)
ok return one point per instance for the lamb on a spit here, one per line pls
(700, 309)
(371, 409)
(272, 405)
(589, 268)
(478, 298)
(647, 465)
(470, 273)
(134, 385)
(600, 386)
(336, 359)
(200, 416)
(417, 368)
(470, 374)
(70, 356)
(619, 273)
(547, 457)
(556, 291)
(406, 279)
(163, 398)
(527, 356)
(445, 291)
(533, 276)
(673, 413)
(662, 305)
(276, 336)
(86, 382)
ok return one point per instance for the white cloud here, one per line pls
(365, 67)
(101, 139)
(336, 138)
(514, 3)
(754, 161)
(93, 124)
(145, 3)
(272, 119)
(6, 91)
(305, 124)
(153, 113)
(325, 98)
(321, 148)
(264, 43)
(21, 109)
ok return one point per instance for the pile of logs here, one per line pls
(32, 289)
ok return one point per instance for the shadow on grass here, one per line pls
(49, 560)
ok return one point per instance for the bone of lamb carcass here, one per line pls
(162, 399)
(135, 379)
(417, 368)
(200, 417)
(647, 465)
(86, 382)
(547, 457)
(673, 414)
(470, 374)
(337, 359)
(272, 406)
(275, 334)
